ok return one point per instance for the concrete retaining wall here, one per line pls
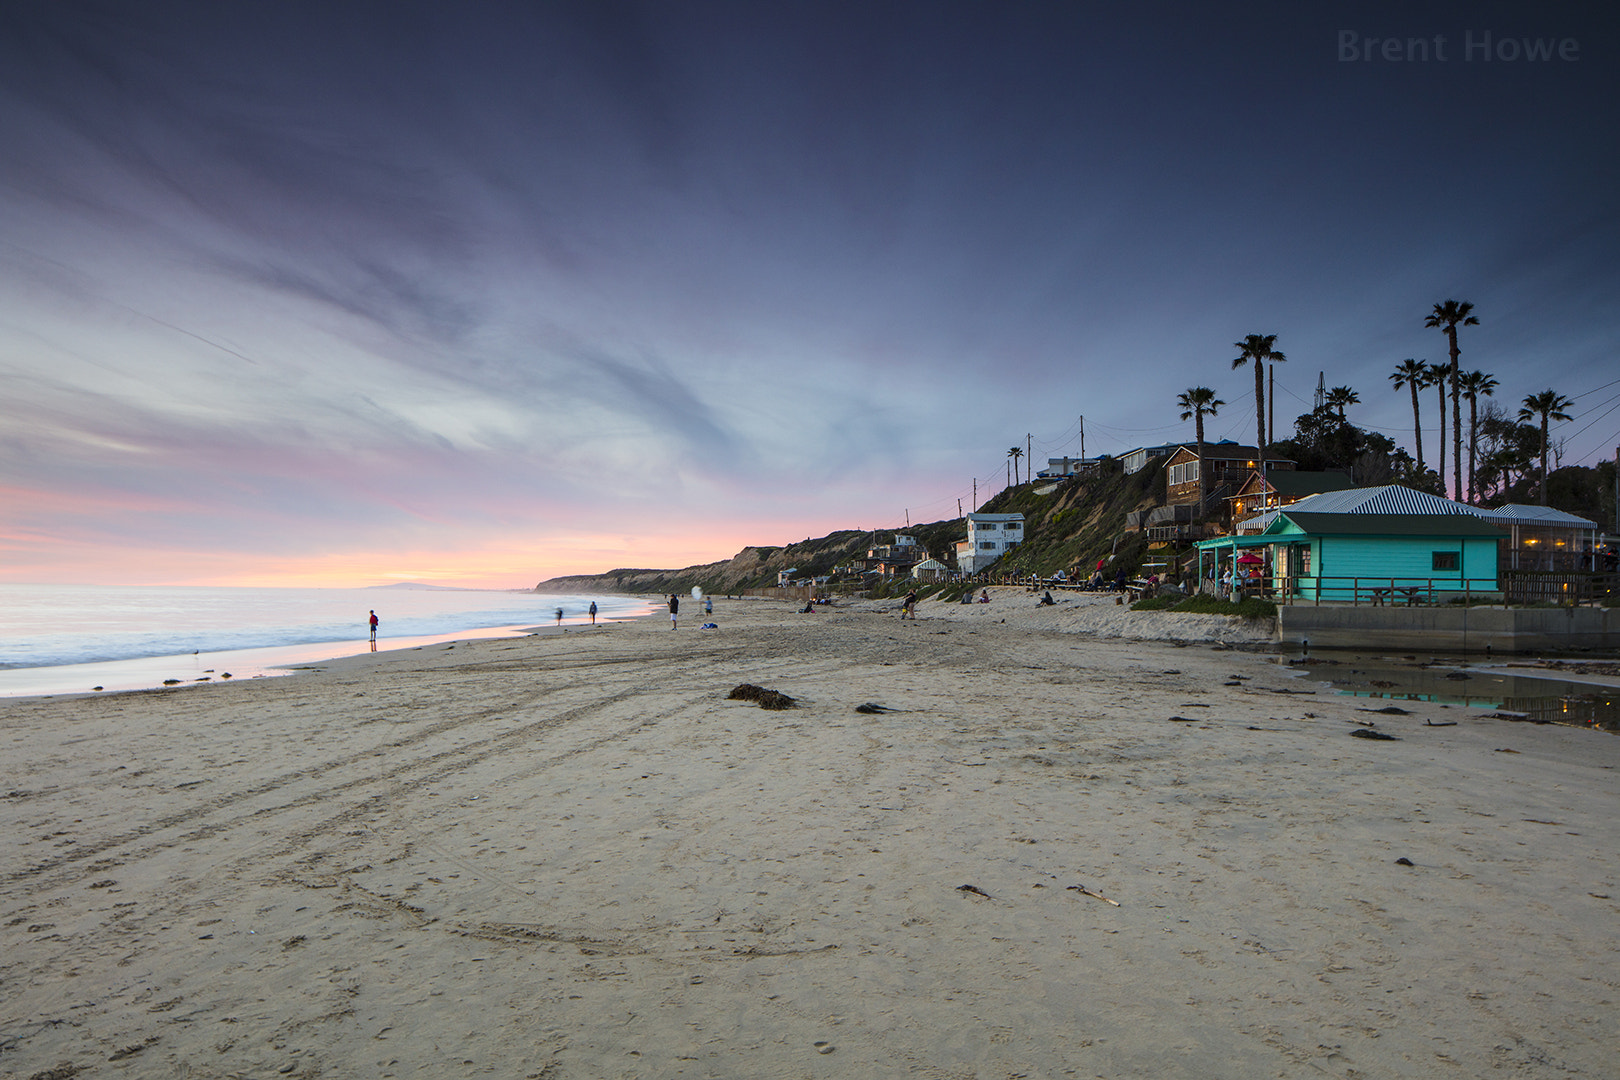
(1463, 629)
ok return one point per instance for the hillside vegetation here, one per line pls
(1073, 524)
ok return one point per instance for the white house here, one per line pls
(1068, 466)
(989, 537)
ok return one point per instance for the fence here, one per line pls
(1558, 587)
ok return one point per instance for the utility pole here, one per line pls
(958, 507)
(1029, 455)
(975, 494)
(1082, 436)
(1271, 407)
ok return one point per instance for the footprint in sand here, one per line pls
(824, 1047)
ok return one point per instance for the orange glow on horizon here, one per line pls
(514, 564)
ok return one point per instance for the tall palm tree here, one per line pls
(1475, 384)
(1197, 403)
(1447, 317)
(1015, 453)
(1437, 377)
(1341, 396)
(1549, 405)
(1413, 374)
(1260, 348)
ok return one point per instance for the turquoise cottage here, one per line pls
(1381, 544)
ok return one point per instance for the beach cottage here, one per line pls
(989, 537)
(1376, 545)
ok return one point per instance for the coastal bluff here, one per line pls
(752, 567)
(1068, 523)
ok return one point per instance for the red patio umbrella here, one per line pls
(1250, 557)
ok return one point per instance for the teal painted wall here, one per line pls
(1406, 559)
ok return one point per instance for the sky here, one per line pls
(483, 293)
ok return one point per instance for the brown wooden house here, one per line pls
(1229, 465)
(1258, 494)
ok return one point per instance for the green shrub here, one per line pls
(1250, 608)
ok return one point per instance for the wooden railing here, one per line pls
(1377, 591)
(1510, 587)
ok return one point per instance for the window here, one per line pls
(986, 526)
(1013, 526)
(988, 545)
(1445, 560)
(1185, 473)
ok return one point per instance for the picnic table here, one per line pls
(1412, 594)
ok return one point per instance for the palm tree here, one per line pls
(1197, 403)
(1549, 405)
(1475, 383)
(1341, 396)
(1447, 317)
(1437, 377)
(1413, 374)
(1015, 453)
(1260, 348)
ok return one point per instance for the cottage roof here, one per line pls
(1388, 499)
(1519, 514)
(1388, 524)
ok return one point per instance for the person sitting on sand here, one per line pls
(809, 608)
(1046, 600)
(984, 596)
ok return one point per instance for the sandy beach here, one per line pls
(570, 856)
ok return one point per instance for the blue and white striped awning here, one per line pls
(1520, 514)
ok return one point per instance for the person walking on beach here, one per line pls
(374, 631)
(593, 612)
(559, 616)
(708, 605)
(674, 611)
(908, 608)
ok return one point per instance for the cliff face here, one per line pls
(752, 567)
(1068, 524)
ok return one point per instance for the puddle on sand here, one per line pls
(1438, 680)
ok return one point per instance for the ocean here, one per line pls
(72, 638)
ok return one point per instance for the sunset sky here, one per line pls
(482, 293)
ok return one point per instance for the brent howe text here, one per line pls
(1478, 46)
